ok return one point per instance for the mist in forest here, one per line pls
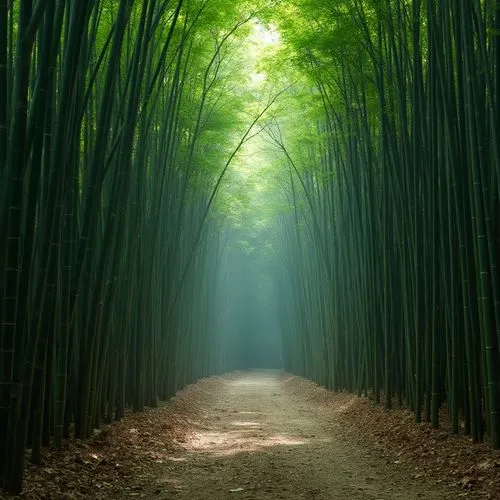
(248, 315)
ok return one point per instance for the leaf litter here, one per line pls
(124, 459)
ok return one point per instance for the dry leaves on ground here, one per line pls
(119, 461)
(434, 453)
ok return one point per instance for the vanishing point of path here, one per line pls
(255, 437)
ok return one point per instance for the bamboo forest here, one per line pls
(192, 188)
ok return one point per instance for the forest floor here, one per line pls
(267, 435)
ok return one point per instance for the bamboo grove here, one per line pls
(371, 243)
(389, 280)
(112, 114)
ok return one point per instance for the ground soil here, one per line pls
(267, 435)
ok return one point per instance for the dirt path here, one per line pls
(266, 435)
(257, 438)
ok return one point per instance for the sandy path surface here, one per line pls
(257, 438)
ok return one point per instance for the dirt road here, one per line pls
(265, 435)
(258, 438)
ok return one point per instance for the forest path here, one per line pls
(257, 437)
